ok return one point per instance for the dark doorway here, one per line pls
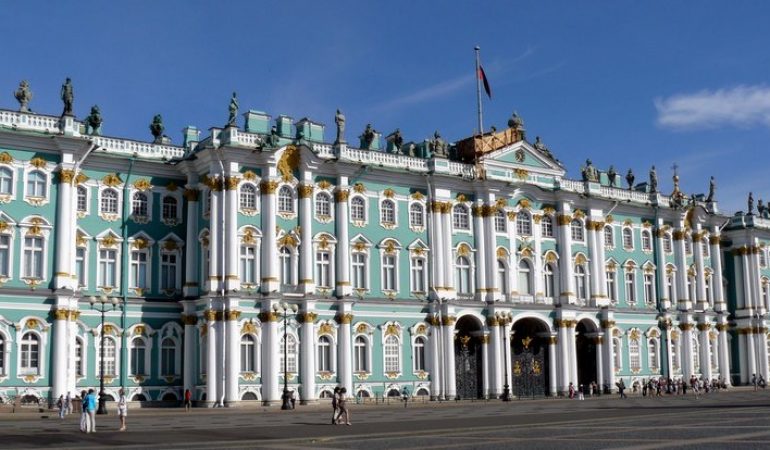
(585, 346)
(468, 365)
(529, 358)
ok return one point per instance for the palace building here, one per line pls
(448, 269)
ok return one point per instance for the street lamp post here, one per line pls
(105, 304)
(503, 318)
(285, 308)
(758, 354)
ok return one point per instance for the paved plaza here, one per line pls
(724, 420)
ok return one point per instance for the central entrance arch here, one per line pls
(468, 363)
(529, 358)
(585, 348)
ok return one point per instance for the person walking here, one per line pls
(405, 396)
(122, 409)
(90, 407)
(83, 412)
(335, 405)
(60, 405)
(762, 382)
(343, 405)
(621, 388)
(581, 396)
(293, 399)
(68, 403)
(571, 391)
(187, 400)
(754, 380)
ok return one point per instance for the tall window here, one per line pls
(5, 255)
(523, 224)
(546, 226)
(287, 277)
(762, 258)
(6, 181)
(107, 267)
(248, 197)
(502, 276)
(668, 247)
(323, 269)
(670, 285)
(675, 359)
(110, 350)
(419, 354)
(548, 281)
(628, 238)
(525, 277)
(33, 257)
(460, 217)
(80, 266)
(138, 352)
(138, 270)
(646, 241)
(691, 287)
(713, 351)
(389, 273)
(167, 357)
(285, 200)
(392, 354)
(581, 289)
(687, 245)
(609, 237)
(360, 355)
(649, 289)
(323, 204)
(248, 264)
(463, 268)
(139, 204)
(630, 287)
(416, 215)
(617, 357)
(169, 208)
(109, 203)
(168, 265)
(418, 274)
(291, 354)
(3, 370)
(695, 354)
(30, 354)
(388, 212)
(612, 286)
(653, 354)
(358, 209)
(82, 200)
(359, 271)
(79, 360)
(36, 184)
(576, 228)
(634, 355)
(501, 221)
(324, 354)
(248, 345)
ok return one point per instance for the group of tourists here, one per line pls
(656, 387)
(86, 404)
(758, 382)
(340, 406)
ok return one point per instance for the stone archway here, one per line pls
(529, 365)
(586, 354)
(468, 358)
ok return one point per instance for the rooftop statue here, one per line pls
(630, 179)
(612, 175)
(233, 109)
(712, 190)
(367, 138)
(438, 146)
(397, 140)
(339, 119)
(751, 203)
(589, 172)
(653, 180)
(273, 140)
(517, 123)
(157, 128)
(94, 122)
(68, 97)
(761, 207)
(23, 96)
(542, 148)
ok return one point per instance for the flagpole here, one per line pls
(478, 92)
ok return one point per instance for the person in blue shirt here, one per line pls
(90, 405)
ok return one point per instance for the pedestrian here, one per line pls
(754, 380)
(571, 390)
(293, 399)
(68, 403)
(122, 409)
(580, 393)
(187, 400)
(60, 405)
(621, 388)
(335, 405)
(405, 395)
(762, 383)
(684, 387)
(83, 412)
(343, 405)
(90, 407)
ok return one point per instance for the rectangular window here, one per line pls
(323, 269)
(80, 266)
(168, 271)
(418, 275)
(5, 255)
(389, 273)
(611, 286)
(79, 372)
(359, 271)
(33, 257)
(630, 288)
(138, 270)
(107, 267)
(248, 264)
(649, 289)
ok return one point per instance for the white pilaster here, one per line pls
(345, 355)
(495, 360)
(448, 331)
(437, 244)
(191, 284)
(481, 252)
(700, 275)
(306, 234)
(270, 281)
(343, 241)
(687, 349)
(270, 356)
(232, 244)
(660, 263)
(435, 359)
(567, 280)
(485, 363)
(724, 358)
(449, 266)
(683, 296)
(705, 350)
(216, 237)
(552, 377)
(233, 360)
(716, 265)
(59, 348)
(189, 319)
(212, 369)
(65, 233)
(307, 346)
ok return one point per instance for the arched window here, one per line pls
(525, 277)
(248, 197)
(670, 285)
(358, 209)
(324, 354)
(138, 353)
(653, 353)
(287, 275)
(501, 221)
(392, 355)
(502, 277)
(359, 270)
(668, 246)
(6, 181)
(628, 239)
(388, 212)
(291, 353)
(419, 354)
(30, 354)
(460, 219)
(609, 237)
(110, 353)
(416, 216)
(576, 227)
(765, 292)
(763, 258)
(82, 201)
(546, 226)
(581, 289)
(169, 208)
(523, 224)
(548, 281)
(139, 204)
(80, 370)
(646, 241)
(360, 355)
(634, 355)
(109, 203)
(323, 205)
(36, 184)
(285, 200)
(167, 357)
(248, 344)
(463, 267)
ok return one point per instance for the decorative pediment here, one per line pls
(522, 156)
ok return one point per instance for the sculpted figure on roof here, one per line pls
(94, 122)
(339, 119)
(23, 96)
(67, 96)
(438, 146)
(589, 172)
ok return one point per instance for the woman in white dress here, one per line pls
(122, 410)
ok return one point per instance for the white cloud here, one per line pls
(741, 106)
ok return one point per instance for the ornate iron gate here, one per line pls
(467, 366)
(528, 369)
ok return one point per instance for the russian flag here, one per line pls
(483, 78)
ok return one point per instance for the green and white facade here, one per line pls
(407, 271)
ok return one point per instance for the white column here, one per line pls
(232, 277)
(59, 350)
(449, 357)
(490, 255)
(669, 349)
(190, 345)
(485, 364)
(687, 350)
(609, 361)
(572, 353)
(539, 283)
(345, 355)
(306, 234)
(755, 279)
(601, 256)
(435, 359)
(564, 356)
(191, 285)
(212, 370)
(270, 357)
(700, 274)
(598, 342)
(343, 243)
(233, 362)
(705, 350)
(716, 265)
(724, 356)
(270, 281)
(761, 344)
(505, 337)
(748, 291)
(481, 250)
(567, 280)
(552, 363)
(216, 235)
(307, 361)
(449, 283)
(660, 262)
(681, 272)
(65, 235)
(496, 359)
(751, 360)
(437, 246)
(596, 262)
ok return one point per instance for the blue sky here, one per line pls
(629, 83)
